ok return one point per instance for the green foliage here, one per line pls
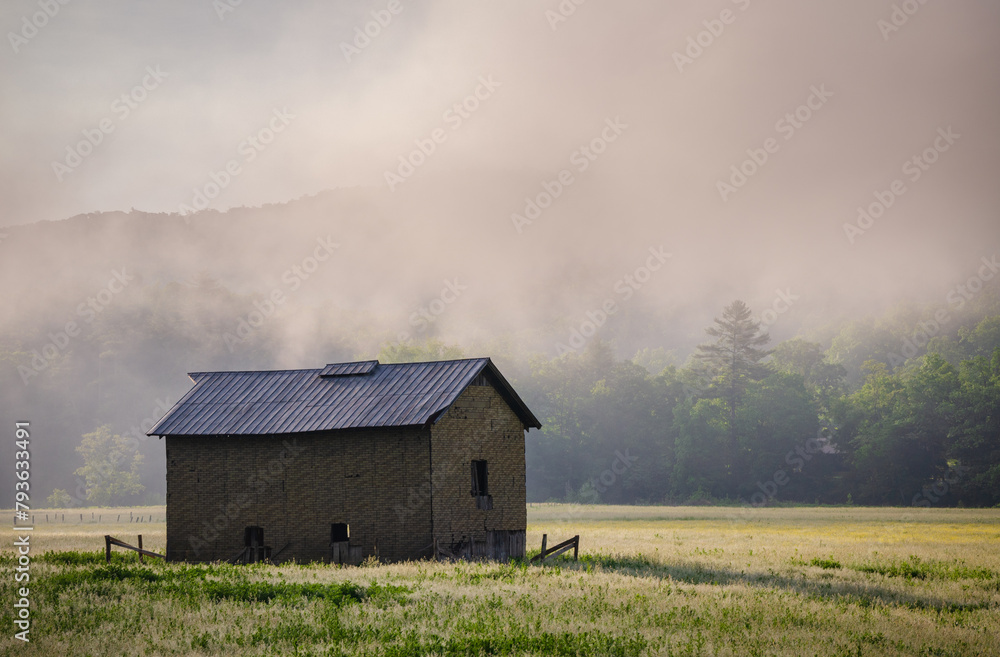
(214, 583)
(480, 638)
(737, 350)
(826, 564)
(733, 360)
(824, 379)
(655, 361)
(110, 467)
(75, 558)
(702, 436)
(914, 567)
(927, 433)
(59, 499)
(983, 339)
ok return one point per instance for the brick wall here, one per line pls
(480, 425)
(377, 481)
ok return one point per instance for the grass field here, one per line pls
(650, 581)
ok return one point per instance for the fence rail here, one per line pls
(110, 540)
(556, 550)
(94, 518)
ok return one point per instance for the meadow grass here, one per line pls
(650, 581)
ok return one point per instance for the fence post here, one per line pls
(545, 540)
(576, 547)
(140, 547)
(107, 547)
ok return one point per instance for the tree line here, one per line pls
(745, 424)
(887, 410)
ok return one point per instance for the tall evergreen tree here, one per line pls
(733, 359)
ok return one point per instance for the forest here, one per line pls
(796, 423)
(897, 409)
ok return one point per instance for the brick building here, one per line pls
(341, 463)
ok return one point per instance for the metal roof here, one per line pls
(339, 396)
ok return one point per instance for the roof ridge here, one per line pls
(346, 362)
(307, 369)
(434, 362)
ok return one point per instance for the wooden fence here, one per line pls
(94, 518)
(110, 540)
(556, 550)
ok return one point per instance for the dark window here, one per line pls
(480, 478)
(339, 532)
(253, 536)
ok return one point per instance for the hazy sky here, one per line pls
(838, 97)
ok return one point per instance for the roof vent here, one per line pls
(349, 369)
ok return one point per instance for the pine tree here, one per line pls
(734, 358)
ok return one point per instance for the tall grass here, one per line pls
(650, 581)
